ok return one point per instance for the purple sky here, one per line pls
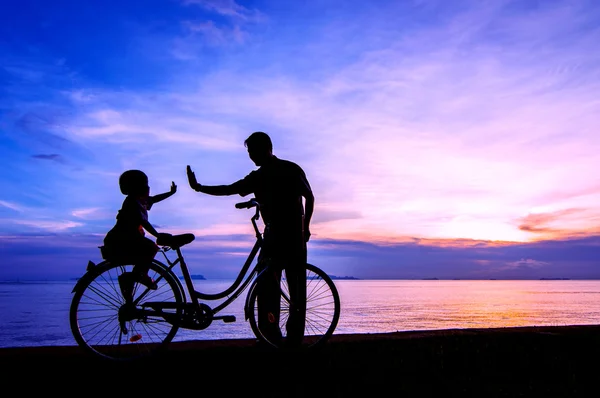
(442, 139)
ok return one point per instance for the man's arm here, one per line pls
(309, 202)
(309, 205)
(215, 190)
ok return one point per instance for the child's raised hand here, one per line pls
(173, 187)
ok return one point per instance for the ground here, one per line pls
(507, 362)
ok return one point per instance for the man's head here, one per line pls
(134, 182)
(260, 147)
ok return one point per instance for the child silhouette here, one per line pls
(126, 241)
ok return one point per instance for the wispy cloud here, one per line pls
(90, 213)
(54, 226)
(527, 263)
(214, 35)
(228, 8)
(226, 23)
(539, 223)
(53, 157)
(12, 206)
(449, 122)
(133, 125)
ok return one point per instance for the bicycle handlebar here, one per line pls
(247, 205)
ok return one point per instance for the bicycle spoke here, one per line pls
(322, 308)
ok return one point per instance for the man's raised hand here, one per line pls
(192, 178)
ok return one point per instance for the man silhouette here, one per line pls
(279, 186)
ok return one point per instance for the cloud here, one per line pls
(156, 122)
(230, 27)
(538, 222)
(24, 73)
(54, 226)
(573, 258)
(326, 215)
(53, 157)
(42, 127)
(80, 96)
(221, 257)
(215, 36)
(450, 126)
(563, 222)
(12, 206)
(400, 131)
(527, 263)
(228, 8)
(90, 213)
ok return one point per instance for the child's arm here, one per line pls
(163, 196)
(148, 227)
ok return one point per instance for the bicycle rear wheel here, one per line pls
(104, 324)
(322, 309)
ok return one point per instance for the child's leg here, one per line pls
(146, 252)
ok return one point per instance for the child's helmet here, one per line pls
(133, 182)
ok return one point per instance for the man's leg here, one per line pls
(296, 278)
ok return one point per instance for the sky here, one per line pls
(441, 139)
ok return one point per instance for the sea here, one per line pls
(37, 313)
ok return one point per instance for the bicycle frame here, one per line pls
(113, 324)
(237, 287)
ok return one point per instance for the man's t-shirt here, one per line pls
(279, 186)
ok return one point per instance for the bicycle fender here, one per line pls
(247, 309)
(177, 280)
(92, 272)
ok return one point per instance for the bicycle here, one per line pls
(111, 326)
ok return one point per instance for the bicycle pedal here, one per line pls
(228, 318)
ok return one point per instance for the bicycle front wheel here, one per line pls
(107, 325)
(322, 309)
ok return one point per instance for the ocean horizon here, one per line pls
(36, 312)
(333, 277)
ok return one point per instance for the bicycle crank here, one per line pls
(196, 317)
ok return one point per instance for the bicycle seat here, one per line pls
(174, 241)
